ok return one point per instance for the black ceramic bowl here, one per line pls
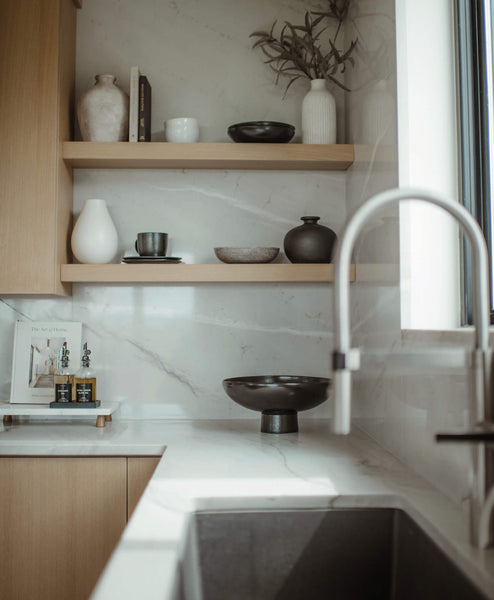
(269, 132)
(278, 397)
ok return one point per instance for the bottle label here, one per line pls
(84, 392)
(63, 392)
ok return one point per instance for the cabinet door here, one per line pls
(37, 63)
(139, 472)
(60, 519)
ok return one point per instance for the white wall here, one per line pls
(403, 409)
(197, 57)
(164, 350)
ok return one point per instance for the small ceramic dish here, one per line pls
(258, 254)
(270, 132)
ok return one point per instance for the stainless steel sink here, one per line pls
(345, 554)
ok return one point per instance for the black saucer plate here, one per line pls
(151, 259)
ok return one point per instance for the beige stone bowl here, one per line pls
(258, 254)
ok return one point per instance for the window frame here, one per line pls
(472, 17)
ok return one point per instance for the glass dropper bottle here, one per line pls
(85, 379)
(63, 377)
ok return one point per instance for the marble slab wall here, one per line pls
(401, 407)
(168, 348)
(198, 58)
(161, 350)
(164, 350)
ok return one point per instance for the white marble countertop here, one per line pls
(231, 465)
(79, 437)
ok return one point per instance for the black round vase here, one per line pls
(310, 242)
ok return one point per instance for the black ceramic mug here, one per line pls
(151, 243)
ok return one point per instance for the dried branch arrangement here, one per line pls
(309, 50)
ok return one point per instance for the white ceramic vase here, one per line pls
(94, 238)
(103, 112)
(318, 114)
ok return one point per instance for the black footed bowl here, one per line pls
(278, 397)
(261, 131)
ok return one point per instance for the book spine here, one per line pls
(134, 105)
(144, 109)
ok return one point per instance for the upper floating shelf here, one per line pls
(205, 273)
(166, 155)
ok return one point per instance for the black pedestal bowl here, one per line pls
(278, 397)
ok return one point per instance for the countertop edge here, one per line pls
(365, 476)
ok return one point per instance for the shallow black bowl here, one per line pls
(278, 397)
(269, 132)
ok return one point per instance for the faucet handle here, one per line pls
(346, 360)
(483, 432)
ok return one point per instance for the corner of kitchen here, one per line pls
(219, 377)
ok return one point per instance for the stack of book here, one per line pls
(139, 107)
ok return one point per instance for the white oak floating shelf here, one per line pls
(206, 273)
(221, 155)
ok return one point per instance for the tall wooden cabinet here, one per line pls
(37, 66)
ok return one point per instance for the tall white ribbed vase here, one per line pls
(94, 238)
(318, 114)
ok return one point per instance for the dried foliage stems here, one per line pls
(309, 50)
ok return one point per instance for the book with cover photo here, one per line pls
(36, 357)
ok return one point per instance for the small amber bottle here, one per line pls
(85, 379)
(64, 379)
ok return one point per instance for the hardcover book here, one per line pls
(134, 104)
(144, 109)
(36, 356)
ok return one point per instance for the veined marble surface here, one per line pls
(198, 58)
(79, 437)
(162, 351)
(231, 465)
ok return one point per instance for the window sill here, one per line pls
(447, 337)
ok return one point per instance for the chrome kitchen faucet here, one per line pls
(347, 359)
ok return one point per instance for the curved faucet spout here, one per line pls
(345, 359)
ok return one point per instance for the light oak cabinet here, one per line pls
(139, 472)
(37, 62)
(60, 518)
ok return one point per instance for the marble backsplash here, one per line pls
(401, 409)
(198, 58)
(163, 350)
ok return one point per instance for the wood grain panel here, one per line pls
(207, 273)
(165, 155)
(139, 471)
(35, 185)
(60, 519)
(66, 111)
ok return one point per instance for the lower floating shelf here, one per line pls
(207, 273)
(102, 413)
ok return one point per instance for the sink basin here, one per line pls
(347, 554)
(277, 397)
